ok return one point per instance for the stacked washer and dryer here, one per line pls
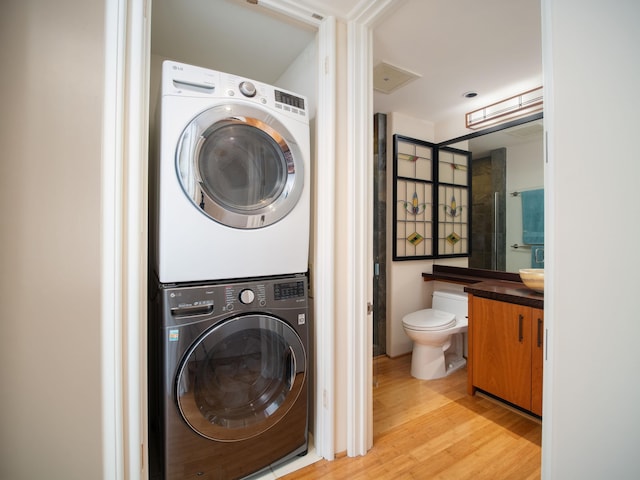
(229, 244)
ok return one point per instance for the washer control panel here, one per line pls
(197, 301)
(247, 296)
(288, 290)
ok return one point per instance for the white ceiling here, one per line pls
(490, 46)
(227, 35)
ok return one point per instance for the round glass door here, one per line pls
(237, 167)
(241, 377)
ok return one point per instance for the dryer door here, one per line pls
(240, 166)
(241, 377)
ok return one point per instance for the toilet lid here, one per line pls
(429, 319)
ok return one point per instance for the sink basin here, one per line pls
(533, 278)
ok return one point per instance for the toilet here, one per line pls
(439, 335)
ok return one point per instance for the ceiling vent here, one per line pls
(388, 78)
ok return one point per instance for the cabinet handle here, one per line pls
(520, 320)
(539, 333)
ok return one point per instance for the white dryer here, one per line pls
(230, 186)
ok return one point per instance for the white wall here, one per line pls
(591, 386)
(50, 174)
(525, 171)
(301, 77)
(406, 291)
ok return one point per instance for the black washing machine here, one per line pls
(228, 380)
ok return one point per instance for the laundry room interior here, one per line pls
(103, 355)
(204, 34)
(404, 262)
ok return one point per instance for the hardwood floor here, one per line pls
(434, 430)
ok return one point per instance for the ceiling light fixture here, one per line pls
(470, 94)
(518, 106)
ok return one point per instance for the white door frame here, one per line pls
(360, 236)
(360, 214)
(124, 239)
(324, 253)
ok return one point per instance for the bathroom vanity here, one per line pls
(505, 335)
(506, 339)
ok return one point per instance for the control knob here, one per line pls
(247, 296)
(248, 89)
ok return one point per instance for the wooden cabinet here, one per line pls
(506, 351)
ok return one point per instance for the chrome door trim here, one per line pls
(277, 139)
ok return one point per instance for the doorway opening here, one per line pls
(379, 235)
(488, 184)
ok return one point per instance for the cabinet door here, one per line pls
(537, 359)
(502, 350)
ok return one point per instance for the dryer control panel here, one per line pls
(287, 99)
(192, 81)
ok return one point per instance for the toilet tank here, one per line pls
(452, 302)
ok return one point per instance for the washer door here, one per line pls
(241, 377)
(240, 166)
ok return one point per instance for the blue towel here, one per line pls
(537, 256)
(533, 216)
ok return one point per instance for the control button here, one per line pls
(248, 89)
(247, 296)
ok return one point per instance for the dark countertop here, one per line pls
(447, 273)
(504, 291)
(502, 286)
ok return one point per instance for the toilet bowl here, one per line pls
(439, 335)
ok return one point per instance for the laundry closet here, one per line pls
(230, 174)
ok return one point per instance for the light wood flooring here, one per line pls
(434, 430)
